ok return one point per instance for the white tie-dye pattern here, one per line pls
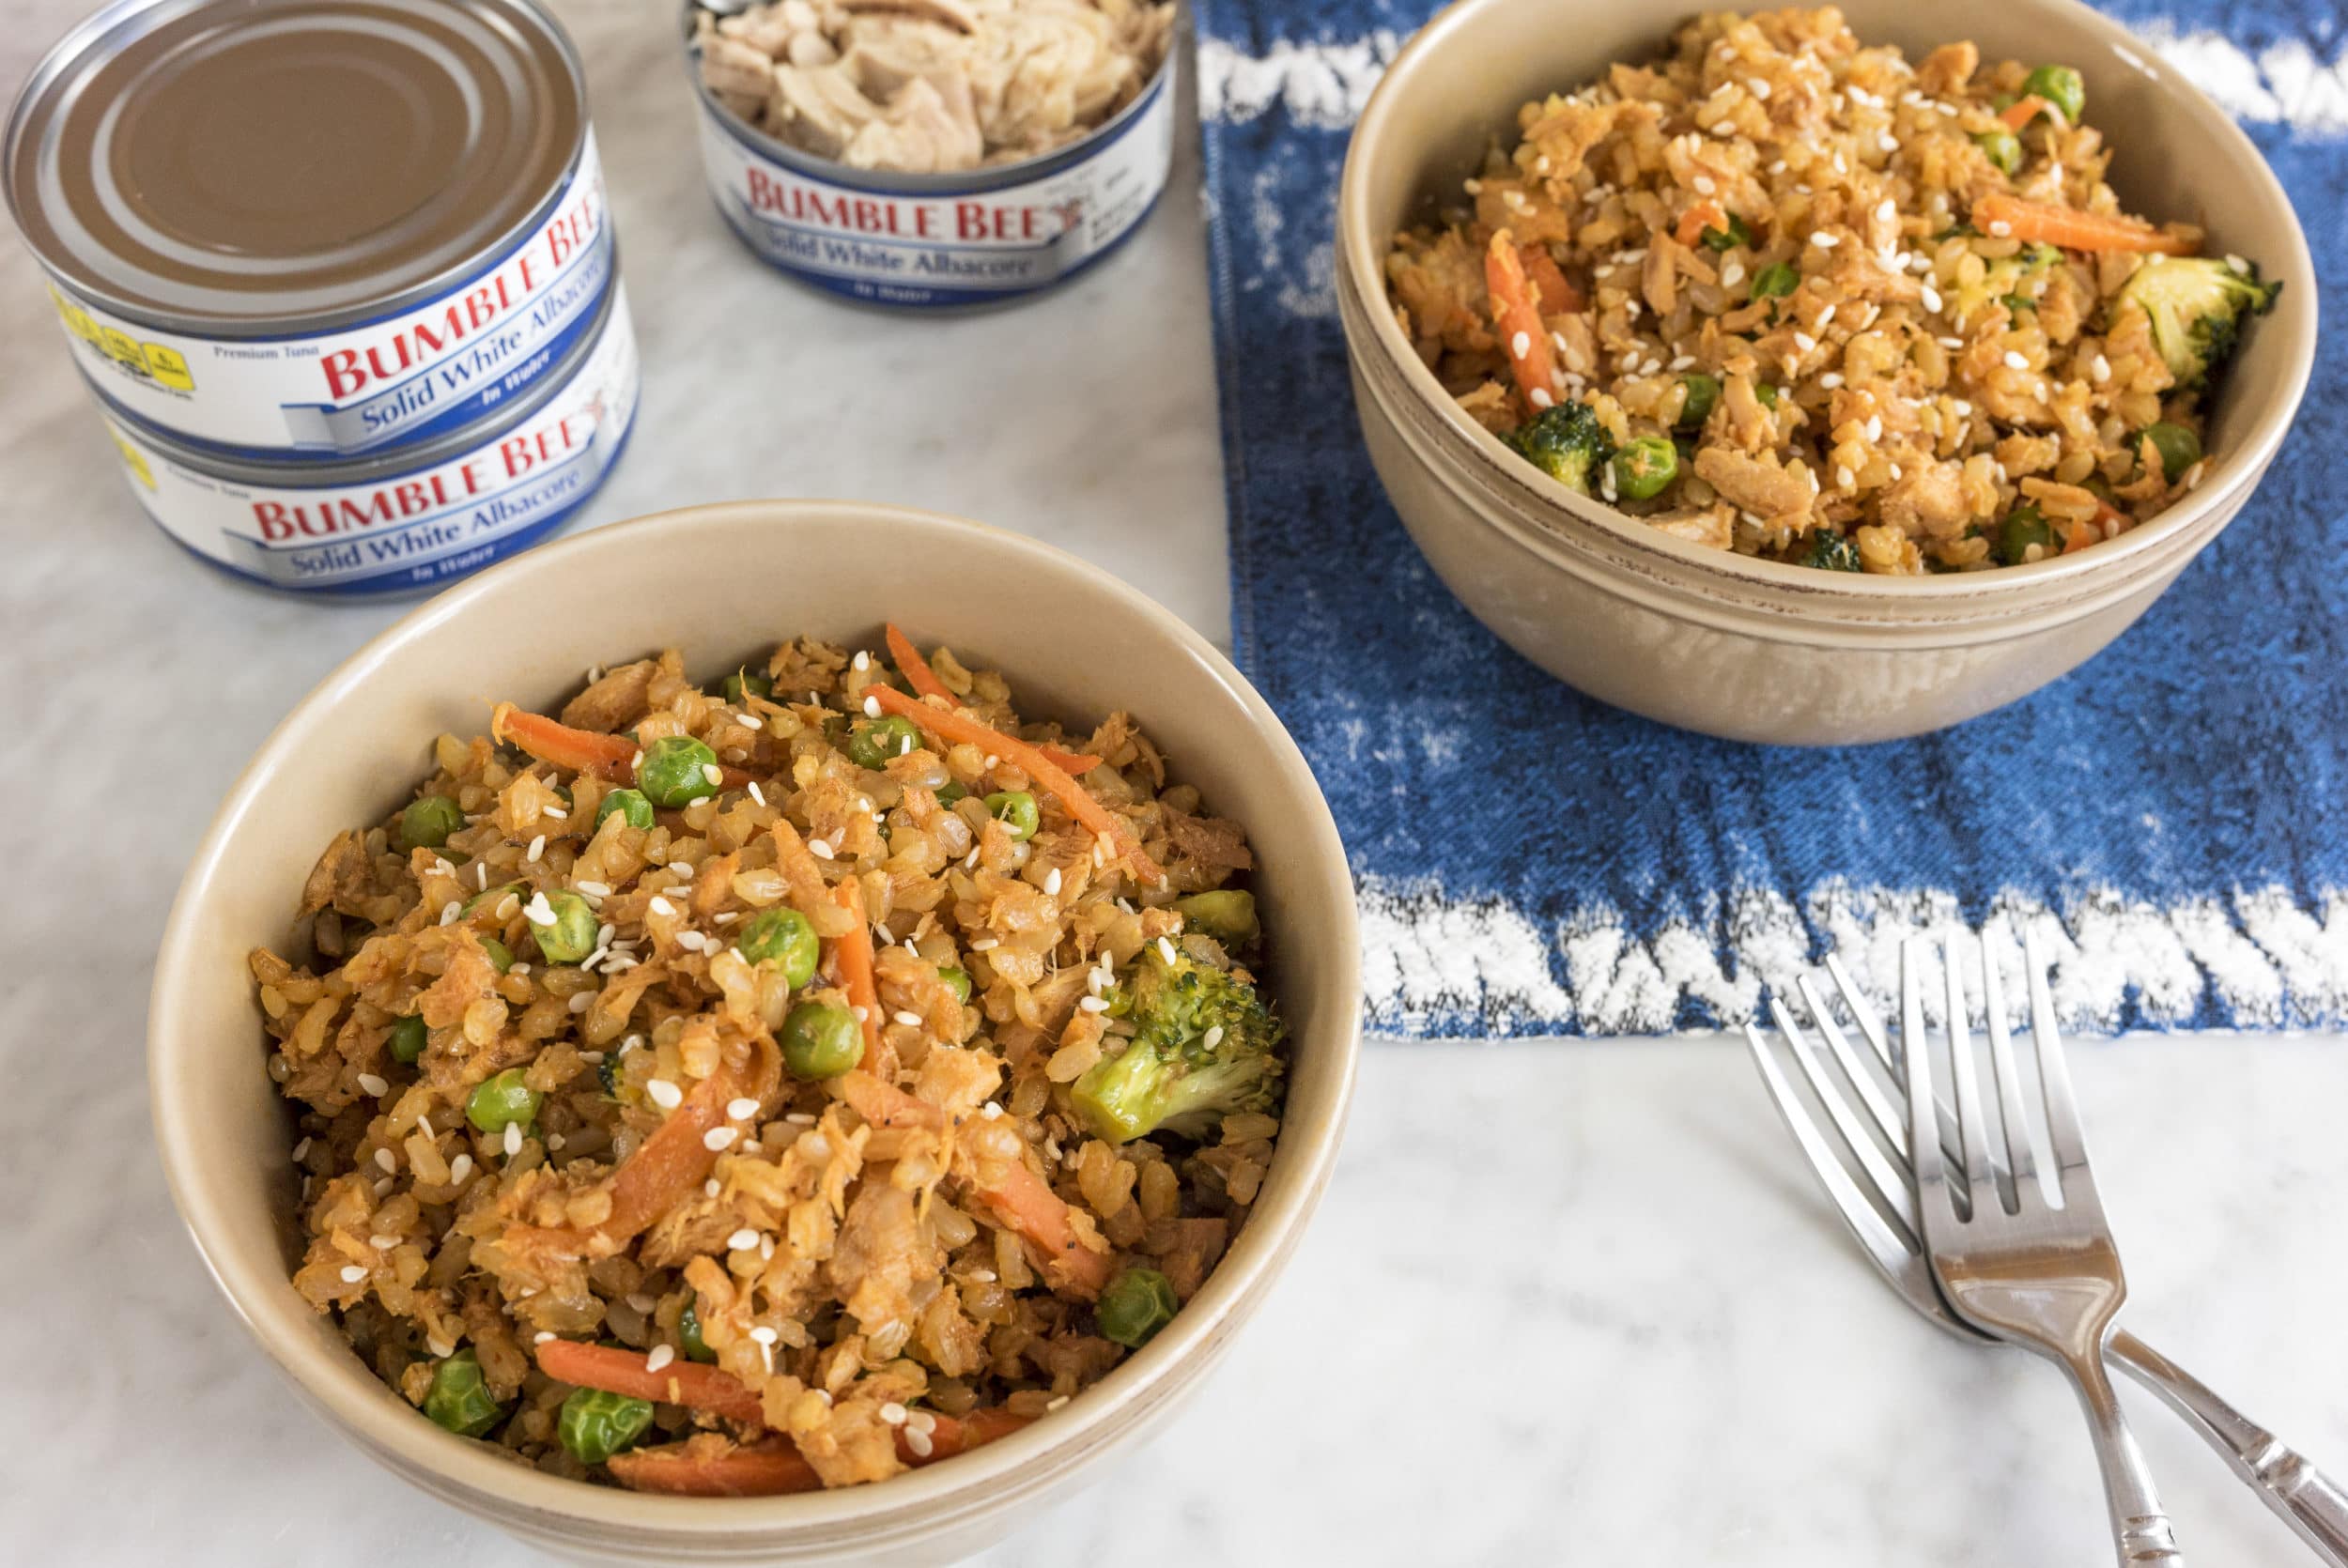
(1326, 82)
(1436, 965)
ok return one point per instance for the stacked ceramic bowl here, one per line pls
(1728, 644)
(339, 273)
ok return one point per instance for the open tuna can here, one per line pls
(313, 229)
(933, 154)
(411, 519)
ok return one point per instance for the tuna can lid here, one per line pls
(249, 168)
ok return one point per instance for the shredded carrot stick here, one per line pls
(955, 727)
(578, 750)
(773, 1467)
(913, 665)
(2071, 229)
(926, 683)
(1518, 318)
(665, 1167)
(2024, 110)
(1558, 297)
(2080, 535)
(617, 1370)
(852, 958)
(1025, 1200)
(1692, 222)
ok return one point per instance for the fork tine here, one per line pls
(1888, 1178)
(1862, 1081)
(1881, 1239)
(1923, 1142)
(1979, 1166)
(1871, 1025)
(2020, 1158)
(2066, 1144)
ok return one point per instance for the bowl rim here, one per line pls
(1361, 290)
(364, 1409)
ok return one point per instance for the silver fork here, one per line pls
(1883, 1217)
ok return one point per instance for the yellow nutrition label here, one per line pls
(158, 362)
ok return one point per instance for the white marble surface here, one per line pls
(1565, 1303)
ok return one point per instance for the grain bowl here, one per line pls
(1697, 597)
(760, 576)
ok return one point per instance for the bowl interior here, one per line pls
(724, 583)
(1455, 90)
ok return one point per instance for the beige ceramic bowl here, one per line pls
(1757, 650)
(721, 582)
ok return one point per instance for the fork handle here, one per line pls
(2141, 1529)
(2311, 1503)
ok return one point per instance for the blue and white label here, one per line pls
(418, 529)
(396, 381)
(941, 249)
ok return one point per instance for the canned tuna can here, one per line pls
(311, 228)
(932, 242)
(416, 519)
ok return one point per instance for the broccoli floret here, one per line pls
(2197, 305)
(1565, 442)
(1831, 552)
(1204, 1047)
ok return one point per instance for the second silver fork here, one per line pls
(2033, 1265)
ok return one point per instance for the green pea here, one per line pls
(1775, 280)
(1645, 468)
(633, 808)
(1727, 239)
(459, 1399)
(572, 936)
(742, 682)
(783, 935)
(1228, 915)
(871, 745)
(408, 1038)
(2020, 529)
(2015, 303)
(1766, 395)
(2001, 147)
(502, 1101)
(2061, 86)
(501, 956)
(2178, 448)
(949, 793)
(1016, 810)
(678, 771)
(821, 1040)
(428, 821)
(594, 1425)
(957, 980)
(688, 1334)
(1697, 407)
(1135, 1306)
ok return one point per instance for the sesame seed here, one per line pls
(1832, 379)
(1051, 882)
(352, 1274)
(513, 1139)
(2015, 361)
(990, 1111)
(1951, 343)
(1804, 342)
(389, 1163)
(636, 761)
(301, 1149)
(1683, 361)
(2100, 368)
(537, 848)
(1889, 212)
(711, 1187)
(1732, 273)
(593, 889)
(1703, 184)
(1520, 345)
(1213, 1037)
(382, 1185)
(580, 1001)
(2000, 227)
(763, 1334)
(743, 1239)
(537, 912)
(1889, 143)
(893, 1413)
(458, 1169)
(1165, 950)
(1824, 240)
(1932, 299)
(819, 848)
(1093, 1005)
(919, 1443)
(1758, 88)
(664, 1094)
(1540, 397)
(542, 1336)
(373, 1086)
(765, 1248)
(661, 1356)
(1057, 1400)
(1844, 478)
(871, 707)
(449, 911)
(661, 905)
(742, 1109)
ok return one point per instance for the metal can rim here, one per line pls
(390, 464)
(69, 48)
(966, 182)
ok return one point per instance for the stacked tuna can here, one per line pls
(340, 274)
